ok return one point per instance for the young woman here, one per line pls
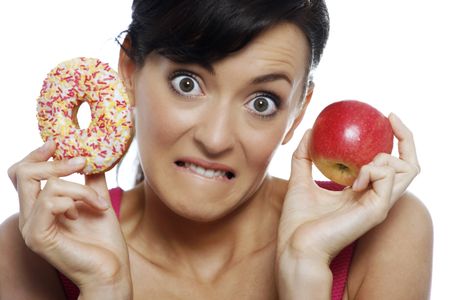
(216, 87)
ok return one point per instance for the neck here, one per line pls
(203, 249)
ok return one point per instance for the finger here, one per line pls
(29, 175)
(72, 213)
(45, 170)
(40, 154)
(301, 167)
(380, 178)
(406, 146)
(400, 166)
(37, 230)
(98, 183)
(404, 172)
(56, 187)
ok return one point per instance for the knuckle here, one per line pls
(418, 169)
(381, 156)
(52, 183)
(21, 171)
(59, 166)
(367, 168)
(415, 169)
(390, 171)
(54, 168)
(12, 172)
(364, 168)
(47, 205)
(44, 201)
(382, 159)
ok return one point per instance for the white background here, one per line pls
(391, 54)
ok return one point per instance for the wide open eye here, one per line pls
(264, 105)
(186, 85)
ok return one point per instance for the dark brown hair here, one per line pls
(204, 31)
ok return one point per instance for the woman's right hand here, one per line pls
(70, 225)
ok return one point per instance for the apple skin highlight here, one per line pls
(347, 135)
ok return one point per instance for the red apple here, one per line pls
(347, 135)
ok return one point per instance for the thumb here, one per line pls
(98, 183)
(301, 166)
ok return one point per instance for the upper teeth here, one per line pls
(205, 172)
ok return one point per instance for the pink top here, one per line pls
(339, 266)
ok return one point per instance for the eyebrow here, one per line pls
(271, 77)
(258, 80)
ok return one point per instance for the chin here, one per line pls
(203, 210)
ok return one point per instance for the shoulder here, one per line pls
(19, 267)
(394, 259)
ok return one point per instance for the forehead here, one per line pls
(283, 48)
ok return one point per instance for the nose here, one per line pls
(214, 132)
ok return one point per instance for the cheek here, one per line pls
(157, 122)
(260, 145)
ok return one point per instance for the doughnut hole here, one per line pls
(82, 115)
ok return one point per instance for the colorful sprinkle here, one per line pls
(108, 136)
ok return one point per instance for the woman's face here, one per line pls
(206, 136)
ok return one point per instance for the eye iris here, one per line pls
(186, 84)
(261, 104)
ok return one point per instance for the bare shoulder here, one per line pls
(23, 273)
(394, 259)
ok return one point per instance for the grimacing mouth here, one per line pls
(228, 174)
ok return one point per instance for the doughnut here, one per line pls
(109, 134)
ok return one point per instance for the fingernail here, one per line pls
(76, 161)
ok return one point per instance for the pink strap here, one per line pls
(340, 267)
(330, 185)
(116, 197)
(70, 289)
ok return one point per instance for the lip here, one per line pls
(207, 164)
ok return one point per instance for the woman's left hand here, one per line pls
(316, 224)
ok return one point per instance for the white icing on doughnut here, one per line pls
(68, 85)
